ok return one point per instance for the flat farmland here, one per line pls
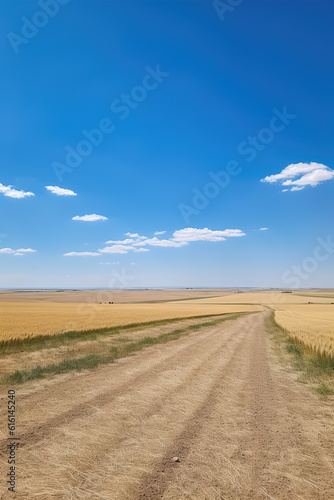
(209, 415)
(174, 400)
(116, 296)
(21, 320)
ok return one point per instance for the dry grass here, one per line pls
(22, 320)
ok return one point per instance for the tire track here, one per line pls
(153, 485)
(182, 386)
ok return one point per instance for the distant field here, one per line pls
(307, 315)
(116, 296)
(21, 320)
(269, 298)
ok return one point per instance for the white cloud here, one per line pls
(263, 229)
(90, 218)
(60, 191)
(14, 193)
(134, 239)
(300, 175)
(19, 251)
(155, 242)
(311, 179)
(192, 234)
(127, 241)
(132, 235)
(180, 238)
(26, 250)
(121, 249)
(81, 254)
(159, 232)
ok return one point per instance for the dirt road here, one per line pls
(240, 425)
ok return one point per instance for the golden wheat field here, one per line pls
(312, 324)
(21, 320)
(307, 315)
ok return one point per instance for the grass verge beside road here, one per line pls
(47, 341)
(92, 360)
(314, 368)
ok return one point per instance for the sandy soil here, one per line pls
(241, 425)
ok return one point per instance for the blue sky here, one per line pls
(211, 119)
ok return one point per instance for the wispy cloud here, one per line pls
(109, 263)
(133, 235)
(127, 241)
(14, 193)
(263, 229)
(81, 254)
(299, 175)
(120, 249)
(193, 234)
(90, 218)
(180, 238)
(159, 232)
(155, 242)
(60, 191)
(19, 251)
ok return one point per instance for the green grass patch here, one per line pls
(324, 390)
(93, 360)
(90, 361)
